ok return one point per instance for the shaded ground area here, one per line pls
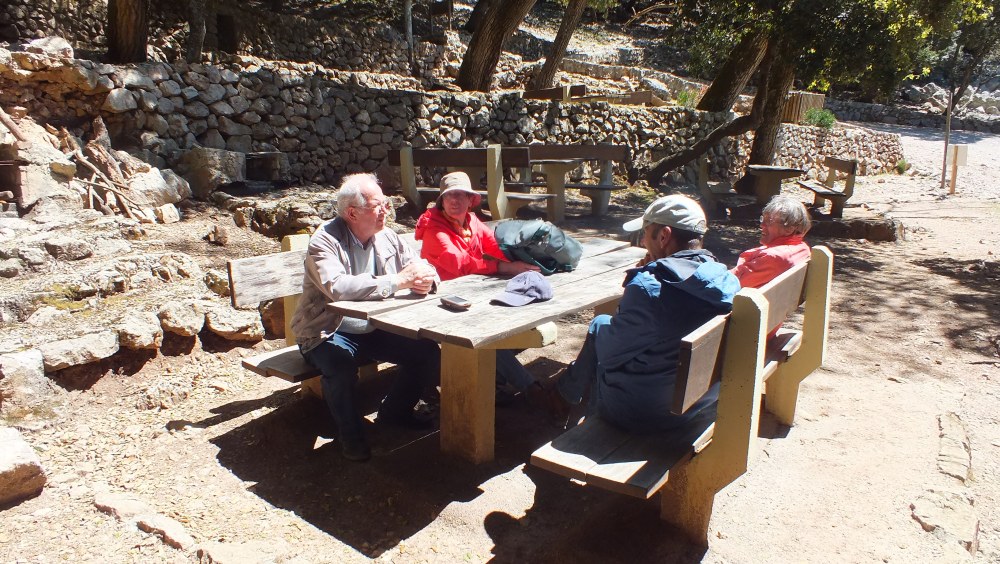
(913, 335)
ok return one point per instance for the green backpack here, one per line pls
(538, 242)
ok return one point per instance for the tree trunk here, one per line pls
(128, 31)
(775, 84)
(478, 13)
(196, 31)
(574, 11)
(480, 61)
(777, 71)
(735, 73)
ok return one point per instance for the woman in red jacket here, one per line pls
(457, 243)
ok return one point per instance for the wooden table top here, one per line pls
(757, 169)
(598, 279)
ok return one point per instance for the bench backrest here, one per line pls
(602, 152)
(460, 158)
(605, 153)
(702, 354)
(557, 93)
(844, 168)
(476, 162)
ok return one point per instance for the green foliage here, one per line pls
(902, 166)
(688, 98)
(819, 117)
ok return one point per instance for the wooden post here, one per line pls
(687, 499)
(290, 304)
(22, 139)
(782, 388)
(468, 381)
(959, 157)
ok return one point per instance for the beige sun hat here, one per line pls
(458, 181)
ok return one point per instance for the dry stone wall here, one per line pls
(372, 47)
(331, 122)
(860, 111)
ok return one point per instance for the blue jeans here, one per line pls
(510, 372)
(584, 372)
(338, 359)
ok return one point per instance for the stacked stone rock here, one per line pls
(336, 44)
(926, 117)
(331, 122)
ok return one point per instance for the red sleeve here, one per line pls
(487, 240)
(759, 266)
(451, 256)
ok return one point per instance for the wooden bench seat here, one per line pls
(690, 465)
(837, 169)
(286, 363)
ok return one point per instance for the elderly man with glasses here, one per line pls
(353, 257)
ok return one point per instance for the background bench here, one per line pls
(600, 194)
(477, 162)
(689, 466)
(561, 93)
(837, 169)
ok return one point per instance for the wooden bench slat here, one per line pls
(576, 451)
(579, 186)
(287, 364)
(784, 298)
(641, 465)
(266, 277)
(699, 363)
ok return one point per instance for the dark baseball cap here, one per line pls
(525, 288)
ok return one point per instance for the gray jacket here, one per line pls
(329, 277)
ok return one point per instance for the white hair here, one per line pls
(790, 213)
(350, 191)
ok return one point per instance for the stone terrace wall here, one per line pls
(332, 122)
(859, 111)
(371, 47)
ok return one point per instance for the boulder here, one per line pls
(217, 282)
(235, 325)
(140, 331)
(56, 47)
(177, 185)
(206, 169)
(80, 350)
(119, 100)
(170, 530)
(185, 319)
(45, 316)
(21, 473)
(67, 248)
(272, 316)
(22, 379)
(167, 213)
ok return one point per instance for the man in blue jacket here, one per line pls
(629, 360)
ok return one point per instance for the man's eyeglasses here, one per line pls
(384, 205)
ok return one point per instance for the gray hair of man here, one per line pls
(790, 213)
(350, 191)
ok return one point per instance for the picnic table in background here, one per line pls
(469, 339)
(769, 177)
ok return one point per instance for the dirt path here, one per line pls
(247, 463)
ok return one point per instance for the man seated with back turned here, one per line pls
(353, 257)
(629, 360)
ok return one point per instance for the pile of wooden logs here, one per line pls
(101, 171)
